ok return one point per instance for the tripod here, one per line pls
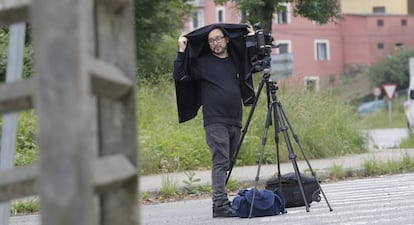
(281, 124)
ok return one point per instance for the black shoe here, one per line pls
(224, 211)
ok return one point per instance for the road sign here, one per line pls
(376, 91)
(389, 90)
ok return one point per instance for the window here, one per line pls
(283, 16)
(380, 23)
(399, 46)
(321, 50)
(403, 22)
(378, 9)
(197, 19)
(220, 14)
(311, 83)
(380, 45)
(197, 3)
(284, 46)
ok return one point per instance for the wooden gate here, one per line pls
(83, 93)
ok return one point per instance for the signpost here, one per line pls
(389, 90)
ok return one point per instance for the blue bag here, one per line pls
(266, 203)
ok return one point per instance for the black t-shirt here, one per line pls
(220, 90)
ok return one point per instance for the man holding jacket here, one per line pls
(213, 70)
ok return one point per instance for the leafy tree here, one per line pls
(321, 11)
(392, 69)
(158, 23)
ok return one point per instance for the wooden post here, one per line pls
(64, 107)
(84, 95)
(117, 118)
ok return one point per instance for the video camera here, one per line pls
(263, 48)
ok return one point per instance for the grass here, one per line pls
(382, 119)
(25, 206)
(372, 167)
(319, 121)
(169, 187)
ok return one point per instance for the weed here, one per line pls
(233, 185)
(191, 180)
(25, 206)
(337, 172)
(169, 187)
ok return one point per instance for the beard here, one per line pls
(219, 51)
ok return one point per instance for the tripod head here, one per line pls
(272, 85)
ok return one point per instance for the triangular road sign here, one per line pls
(389, 90)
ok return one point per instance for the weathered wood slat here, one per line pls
(108, 81)
(63, 103)
(14, 11)
(109, 173)
(16, 96)
(117, 119)
(18, 182)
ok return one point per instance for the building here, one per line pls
(398, 7)
(368, 31)
(373, 29)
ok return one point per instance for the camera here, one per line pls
(263, 48)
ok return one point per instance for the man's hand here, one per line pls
(250, 30)
(182, 43)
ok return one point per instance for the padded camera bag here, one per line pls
(290, 189)
(265, 203)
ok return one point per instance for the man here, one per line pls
(218, 77)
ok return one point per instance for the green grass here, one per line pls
(25, 206)
(408, 142)
(372, 167)
(169, 187)
(382, 119)
(324, 127)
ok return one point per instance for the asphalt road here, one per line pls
(384, 200)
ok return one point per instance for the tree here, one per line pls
(321, 11)
(392, 69)
(158, 23)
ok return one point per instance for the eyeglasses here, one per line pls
(216, 40)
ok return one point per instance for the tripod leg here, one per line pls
(292, 155)
(264, 141)
(245, 129)
(295, 136)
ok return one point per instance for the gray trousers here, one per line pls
(222, 140)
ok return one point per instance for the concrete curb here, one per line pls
(153, 183)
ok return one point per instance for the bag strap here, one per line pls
(279, 196)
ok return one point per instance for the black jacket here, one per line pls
(188, 90)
